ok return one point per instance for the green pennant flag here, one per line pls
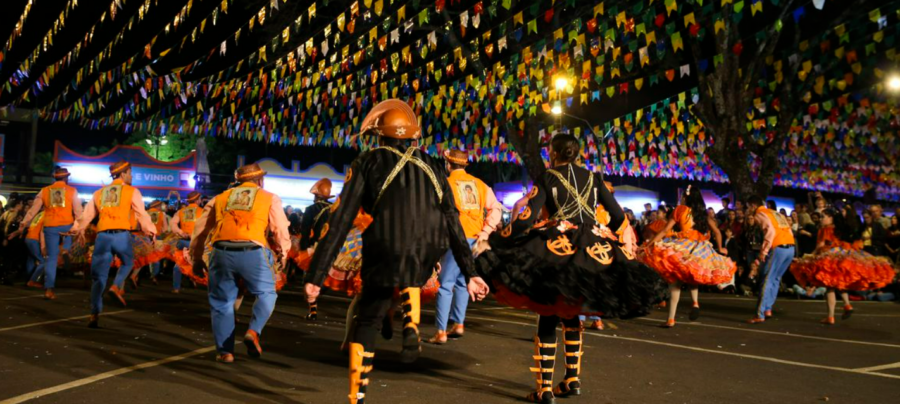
(640, 29)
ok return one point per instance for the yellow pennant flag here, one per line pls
(756, 8)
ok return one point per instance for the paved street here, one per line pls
(159, 349)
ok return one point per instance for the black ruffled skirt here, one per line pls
(567, 271)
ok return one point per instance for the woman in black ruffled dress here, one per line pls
(571, 262)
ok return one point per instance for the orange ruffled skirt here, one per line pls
(843, 269)
(692, 262)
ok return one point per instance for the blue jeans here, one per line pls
(35, 263)
(155, 268)
(51, 239)
(256, 268)
(176, 273)
(884, 297)
(801, 292)
(777, 263)
(452, 280)
(107, 245)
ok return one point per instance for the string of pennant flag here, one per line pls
(495, 58)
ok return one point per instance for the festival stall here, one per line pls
(156, 179)
(293, 184)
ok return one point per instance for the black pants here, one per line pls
(373, 305)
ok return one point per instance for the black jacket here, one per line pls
(314, 218)
(412, 227)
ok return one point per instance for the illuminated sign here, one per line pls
(142, 177)
(293, 185)
(155, 178)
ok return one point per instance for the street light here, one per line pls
(894, 83)
(561, 83)
(161, 140)
(557, 110)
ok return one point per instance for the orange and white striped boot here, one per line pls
(360, 367)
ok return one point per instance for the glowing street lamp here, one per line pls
(561, 83)
(894, 83)
(556, 110)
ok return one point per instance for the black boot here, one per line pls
(571, 386)
(387, 326)
(411, 314)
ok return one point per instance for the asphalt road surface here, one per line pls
(159, 349)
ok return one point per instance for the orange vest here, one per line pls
(187, 216)
(57, 200)
(35, 227)
(114, 204)
(158, 218)
(470, 194)
(783, 233)
(242, 214)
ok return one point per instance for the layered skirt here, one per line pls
(567, 270)
(843, 269)
(689, 261)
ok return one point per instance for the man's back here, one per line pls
(409, 227)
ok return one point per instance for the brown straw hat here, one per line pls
(249, 172)
(155, 204)
(119, 167)
(392, 118)
(61, 173)
(193, 196)
(458, 157)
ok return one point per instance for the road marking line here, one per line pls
(786, 300)
(102, 376)
(856, 314)
(881, 367)
(691, 348)
(62, 320)
(783, 334)
(32, 296)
